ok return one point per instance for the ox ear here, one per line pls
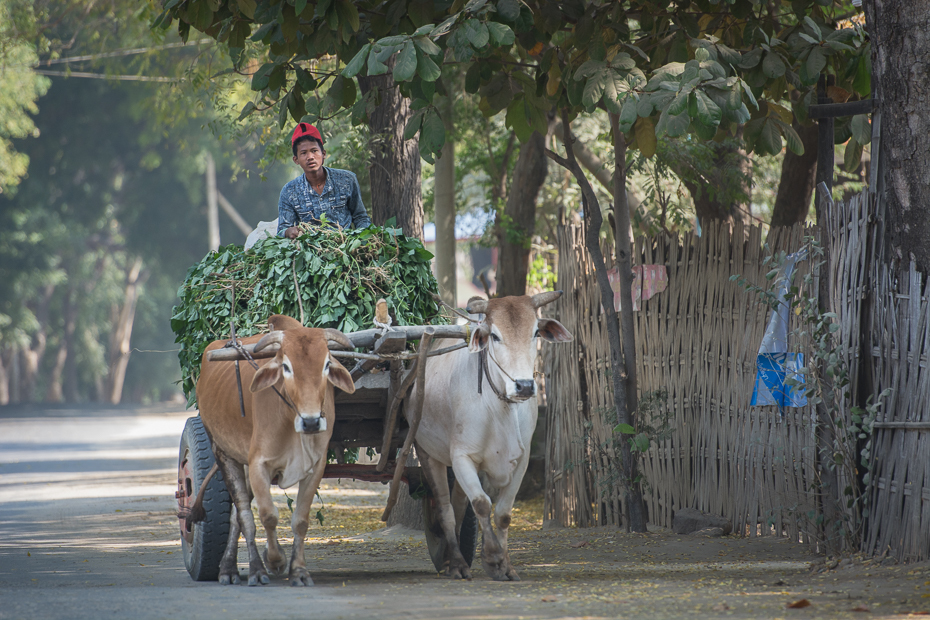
(266, 376)
(479, 338)
(339, 376)
(553, 331)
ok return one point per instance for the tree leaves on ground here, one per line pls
(340, 275)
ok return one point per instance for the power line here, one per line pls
(104, 76)
(126, 52)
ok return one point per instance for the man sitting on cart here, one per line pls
(320, 190)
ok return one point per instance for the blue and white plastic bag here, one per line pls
(779, 380)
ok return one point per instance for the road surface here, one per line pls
(88, 530)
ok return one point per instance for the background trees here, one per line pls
(700, 90)
(97, 236)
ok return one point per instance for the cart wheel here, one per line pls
(436, 543)
(203, 543)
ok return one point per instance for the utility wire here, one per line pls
(104, 76)
(126, 52)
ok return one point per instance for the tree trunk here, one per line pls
(395, 163)
(122, 333)
(4, 381)
(636, 508)
(593, 223)
(445, 208)
(796, 185)
(900, 35)
(721, 187)
(71, 368)
(213, 215)
(593, 164)
(55, 392)
(32, 356)
(499, 174)
(15, 374)
(516, 225)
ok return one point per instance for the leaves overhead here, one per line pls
(697, 67)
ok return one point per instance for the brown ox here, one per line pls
(283, 437)
(479, 413)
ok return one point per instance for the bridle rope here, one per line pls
(237, 345)
(483, 356)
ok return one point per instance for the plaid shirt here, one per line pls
(340, 200)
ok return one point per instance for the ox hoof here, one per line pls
(227, 579)
(262, 578)
(500, 571)
(301, 580)
(459, 572)
(278, 566)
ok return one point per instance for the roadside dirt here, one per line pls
(605, 572)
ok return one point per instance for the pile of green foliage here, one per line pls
(339, 275)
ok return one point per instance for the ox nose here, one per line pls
(310, 424)
(525, 387)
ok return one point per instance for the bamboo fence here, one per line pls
(899, 515)
(698, 341)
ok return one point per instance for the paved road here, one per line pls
(88, 531)
(87, 525)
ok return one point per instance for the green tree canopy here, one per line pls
(698, 67)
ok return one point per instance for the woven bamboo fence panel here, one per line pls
(848, 236)
(698, 340)
(899, 516)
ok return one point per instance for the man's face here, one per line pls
(309, 156)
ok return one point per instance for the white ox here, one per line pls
(283, 437)
(479, 413)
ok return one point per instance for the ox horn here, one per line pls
(541, 299)
(477, 305)
(272, 338)
(337, 340)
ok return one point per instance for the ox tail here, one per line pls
(198, 514)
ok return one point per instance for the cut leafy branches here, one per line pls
(339, 275)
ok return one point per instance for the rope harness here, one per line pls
(483, 372)
(235, 344)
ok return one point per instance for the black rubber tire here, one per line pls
(436, 542)
(203, 552)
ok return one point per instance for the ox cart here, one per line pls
(384, 375)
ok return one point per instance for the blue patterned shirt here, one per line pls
(340, 200)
